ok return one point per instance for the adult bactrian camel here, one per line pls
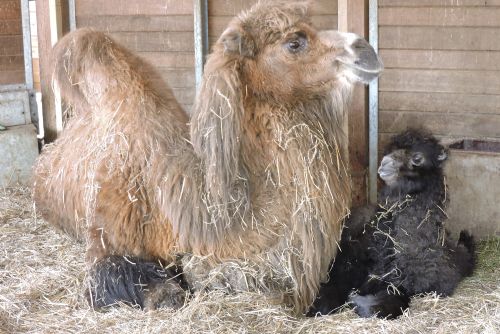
(257, 175)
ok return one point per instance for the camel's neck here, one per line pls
(272, 130)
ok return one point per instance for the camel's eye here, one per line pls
(417, 159)
(296, 43)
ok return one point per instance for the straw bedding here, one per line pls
(42, 278)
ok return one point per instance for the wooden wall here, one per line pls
(161, 31)
(442, 60)
(11, 43)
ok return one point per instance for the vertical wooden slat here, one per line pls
(353, 17)
(52, 23)
(44, 48)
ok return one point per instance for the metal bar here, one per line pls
(72, 15)
(200, 38)
(373, 108)
(28, 58)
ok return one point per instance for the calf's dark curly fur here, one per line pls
(399, 249)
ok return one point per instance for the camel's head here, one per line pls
(410, 158)
(282, 57)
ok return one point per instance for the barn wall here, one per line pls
(11, 43)
(442, 60)
(161, 31)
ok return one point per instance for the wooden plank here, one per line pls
(439, 38)
(11, 45)
(11, 27)
(353, 17)
(128, 23)
(36, 74)
(11, 63)
(133, 7)
(169, 59)
(439, 102)
(468, 125)
(440, 81)
(156, 41)
(432, 16)
(11, 77)
(45, 58)
(217, 24)
(184, 95)
(437, 3)
(178, 78)
(10, 10)
(234, 7)
(441, 59)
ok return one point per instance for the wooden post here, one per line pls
(353, 17)
(52, 21)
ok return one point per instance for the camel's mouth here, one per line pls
(359, 58)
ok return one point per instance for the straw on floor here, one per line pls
(42, 277)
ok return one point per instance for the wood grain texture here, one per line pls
(11, 45)
(439, 38)
(437, 3)
(133, 23)
(11, 63)
(439, 16)
(466, 124)
(10, 9)
(12, 77)
(169, 59)
(444, 81)
(11, 27)
(142, 41)
(441, 59)
(439, 102)
(45, 59)
(133, 7)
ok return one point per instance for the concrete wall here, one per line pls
(473, 179)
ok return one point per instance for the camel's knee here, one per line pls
(132, 281)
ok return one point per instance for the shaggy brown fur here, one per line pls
(261, 178)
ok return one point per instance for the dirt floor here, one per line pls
(42, 277)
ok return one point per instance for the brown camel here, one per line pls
(258, 175)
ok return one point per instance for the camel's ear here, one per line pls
(443, 155)
(237, 42)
